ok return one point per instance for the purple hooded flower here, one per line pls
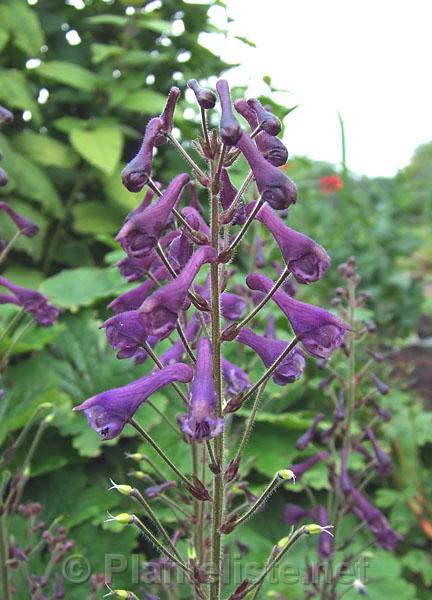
(227, 194)
(108, 412)
(384, 465)
(300, 468)
(271, 147)
(27, 227)
(384, 535)
(233, 306)
(269, 350)
(307, 260)
(383, 414)
(137, 172)
(5, 115)
(126, 333)
(133, 269)
(177, 350)
(159, 312)
(320, 332)
(293, 514)
(267, 120)
(140, 234)
(304, 441)
(133, 299)
(205, 98)
(146, 201)
(345, 480)
(237, 381)
(33, 302)
(195, 220)
(275, 187)
(168, 115)
(201, 422)
(9, 299)
(230, 130)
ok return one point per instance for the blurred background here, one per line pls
(350, 83)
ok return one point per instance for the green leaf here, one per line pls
(101, 52)
(419, 562)
(23, 24)
(4, 38)
(144, 101)
(45, 150)
(117, 192)
(156, 25)
(101, 147)
(117, 20)
(66, 124)
(96, 218)
(70, 74)
(15, 93)
(82, 287)
(35, 339)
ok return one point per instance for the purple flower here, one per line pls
(384, 465)
(230, 130)
(177, 350)
(126, 333)
(137, 172)
(293, 513)
(35, 303)
(133, 299)
(154, 491)
(300, 468)
(168, 115)
(325, 543)
(233, 306)
(133, 269)
(147, 200)
(275, 187)
(383, 414)
(159, 312)
(201, 422)
(108, 412)
(205, 98)
(260, 258)
(5, 115)
(291, 367)
(227, 194)
(195, 220)
(236, 379)
(27, 227)
(270, 146)
(9, 299)
(344, 479)
(267, 120)
(140, 234)
(304, 441)
(306, 259)
(320, 332)
(384, 535)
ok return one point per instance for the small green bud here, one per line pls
(48, 419)
(126, 490)
(313, 529)
(191, 553)
(45, 406)
(121, 594)
(135, 456)
(286, 474)
(123, 518)
(27, 472)
(283, 542)
(139, 474)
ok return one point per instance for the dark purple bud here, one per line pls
(275, 187)
(307, 260)
(140, 234)
(232, 470)
(384, 465)
(240, 591)
(136, 268)
(201, 422)
(304, 441)
(205, 98)
(236, 380)
(301, 468)
(199, 490)
(125, 333)
(196, 221)
(180, 251)
(320, 332)
(380, 385)
(325, 383)
(266, 120)
(229, 525)
(5, 115)
(168, 115)
(154, 491)
(293, 514)
(3, 178)
(59, 591)
(159, 312)
(339, 413)
(345, 480)
(362, 450)
(35, 303)
(328, 433)
(177, 350)
(325, 543)
(377, 356)
(27, 227)
(384, 535)
(290, 369)
(108, 412)
(133, 299)
(230, 130)
(260, 258)
(137, 172)
(383, 414)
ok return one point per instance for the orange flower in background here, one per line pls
(330, 184)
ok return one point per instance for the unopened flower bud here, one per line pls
(123, 518)
(380, 385)
(6, 116)
(205, 98)
(267, 120)
(314, 528)
(122, 489)
(230, 130)
(286, 475)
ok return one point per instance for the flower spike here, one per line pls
(230, 130)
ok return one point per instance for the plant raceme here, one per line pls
(183, 258)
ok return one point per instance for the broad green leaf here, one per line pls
(156, 25)
(144, 101)
(23, 24)
(101, 147)
(117, 20)
(117, 192)
(101, 52)
(419, 562)
(4, 37)
(15, 92)
(45, 150)
(36, 339)
(82, 287)
(66, 124)
(70, 74)
(95, 218)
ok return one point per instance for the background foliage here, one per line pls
(64, 158)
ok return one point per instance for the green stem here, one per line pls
(14, 321)
(186, 156)
(272, 486)
(8, 247)
(6, 594)
(250, 422)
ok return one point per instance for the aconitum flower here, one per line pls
(177, 350)
(140, 234)
(27, 227)
(236, 380)
(146, 201)
(126, 333)
(201, 422)
(227, 194)
(384, 465)
(230, 130)
(304, 441)
(159, 312)
(108, 412)
(267, 120)
(307, 260)
(300, 468)
(293, 513)
(271, 147)
(133, 269)
(137, 172)
(384, 535)
(275, 187)
(195, 220)
(133, 299)
(320, 332)
(168, 115)
(5, 115)
(33, 302)
(290, 369)
(205, 98)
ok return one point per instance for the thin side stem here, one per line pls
(185, 155)
(204, 127)
(9, 245)
(272, 486)
(14, 321)
(227, 253)
(185, 343)
(229, 213)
